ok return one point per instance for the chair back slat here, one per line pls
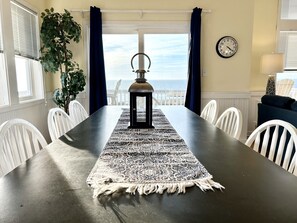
(28, 143)
(281, 147)
(13, 144)
(288, 153)
(265, 142)
(21, 144)
(273, 145)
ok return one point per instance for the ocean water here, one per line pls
(157, 84)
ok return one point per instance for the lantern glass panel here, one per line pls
(141, 109)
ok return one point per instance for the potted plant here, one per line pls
(58, 30)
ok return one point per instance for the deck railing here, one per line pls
(160, 97)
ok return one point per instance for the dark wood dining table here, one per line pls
(51, 186)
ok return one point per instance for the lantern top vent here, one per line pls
(140, 84)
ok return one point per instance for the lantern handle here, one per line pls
(146, 57)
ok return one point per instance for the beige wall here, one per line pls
(251, 22)
(38, 4)
(264, 39)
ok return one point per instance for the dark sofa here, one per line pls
(277, 107)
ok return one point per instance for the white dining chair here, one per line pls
(276, 140)
(19, 141)
(59, 122)
(77, 112)
(230, 121)
(210, 111)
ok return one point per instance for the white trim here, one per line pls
(130, 26)
(26, 6)
(8, 46)
(24, 104)
(213, 94)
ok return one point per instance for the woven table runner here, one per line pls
(147, 161)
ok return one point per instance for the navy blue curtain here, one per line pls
(98, 95)
(193, 95)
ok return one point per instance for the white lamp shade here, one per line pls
(272, 63)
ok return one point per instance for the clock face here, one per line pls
(226, 47)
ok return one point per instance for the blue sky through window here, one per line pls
(168, 54)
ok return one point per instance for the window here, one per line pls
(288, 9)
(287, 42)
(24, 24)
(21, 77)
(168, 51)
(3, 79)
(118, 50)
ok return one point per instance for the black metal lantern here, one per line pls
(141, 108)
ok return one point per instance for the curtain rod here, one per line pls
(139, 11)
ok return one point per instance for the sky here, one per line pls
(168, 54)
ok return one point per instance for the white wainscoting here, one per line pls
(253, 117)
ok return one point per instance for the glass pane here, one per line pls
(289, 9)
(3, 82)
(23, 76)
(290, 90)
(141, 109)
(288, 46)
(24, 24)
(169, 56)
(118, 51)
(3, 78)
(1, 38)
(169, 70)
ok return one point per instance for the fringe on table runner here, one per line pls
(105, 182)
(149, 188)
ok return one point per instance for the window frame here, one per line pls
(146, 27)
(37, 91)
(285, 25)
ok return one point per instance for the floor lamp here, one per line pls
(271, 64)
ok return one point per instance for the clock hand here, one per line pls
(229, 48)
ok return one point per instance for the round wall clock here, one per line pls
(227, 46)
